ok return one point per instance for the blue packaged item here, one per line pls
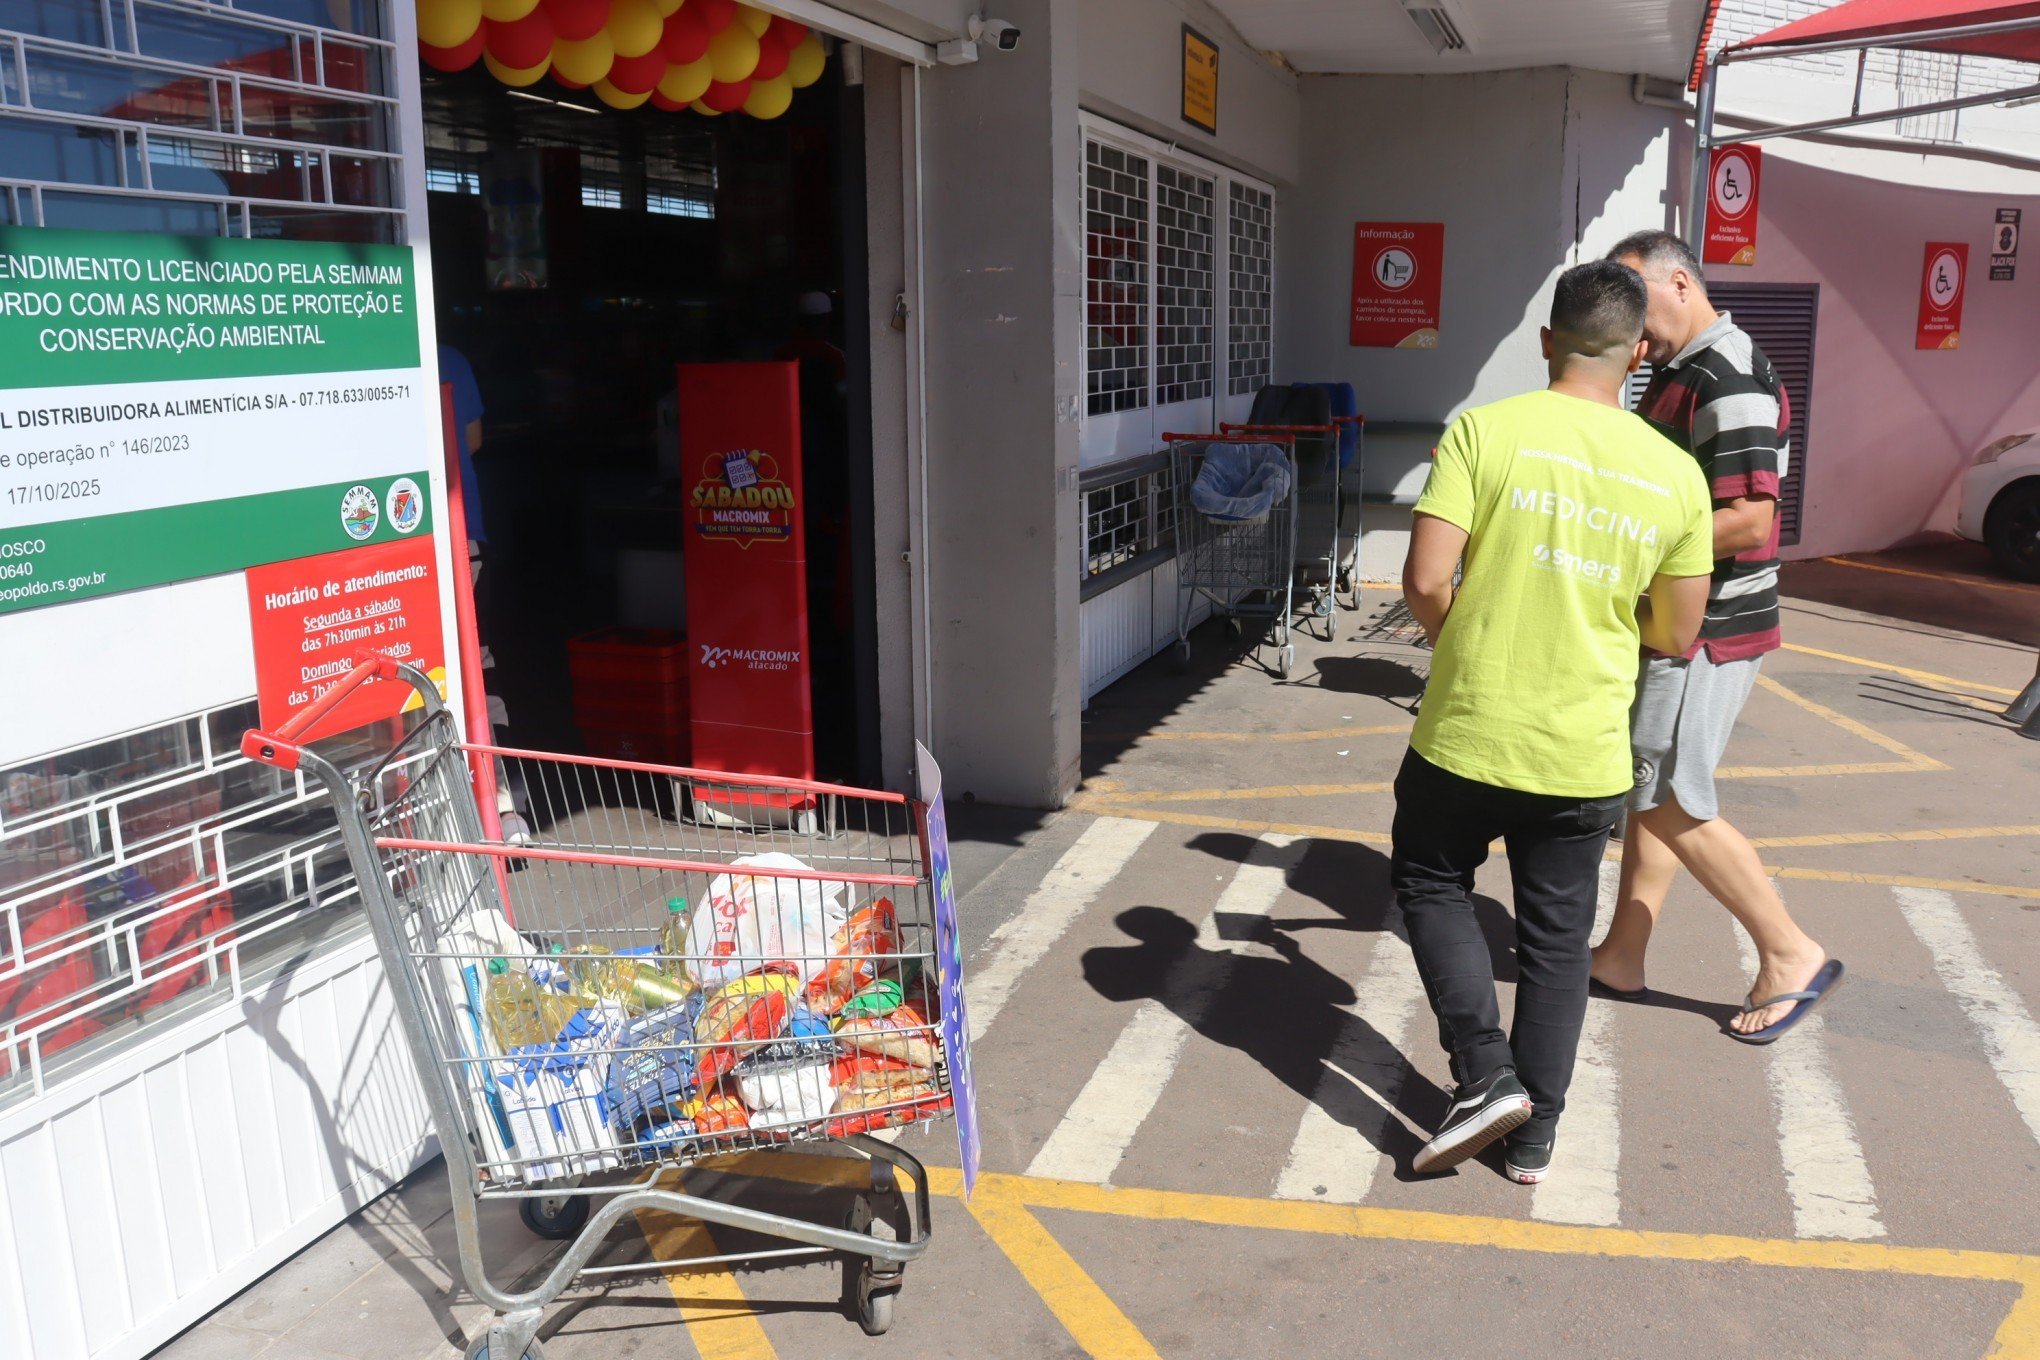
(652, 1076)
(807, 1035)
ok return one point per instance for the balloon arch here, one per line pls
(713, 56)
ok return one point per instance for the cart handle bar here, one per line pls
(1285, 438)
(717, 777)
(281, 748)
(1231, 428)
(678, 866)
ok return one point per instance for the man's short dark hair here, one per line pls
(1659, 251)
(1598, 308)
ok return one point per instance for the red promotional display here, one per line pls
(746, 558)
(1398, 280)
(316, 616)
(1942, 281)
(1733, 180)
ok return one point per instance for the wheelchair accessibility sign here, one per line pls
(1732, 205)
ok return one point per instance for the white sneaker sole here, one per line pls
(1468, 1140)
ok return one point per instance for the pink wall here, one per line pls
(1893, 428)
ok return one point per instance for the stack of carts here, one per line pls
(1236, 533)
(668, 995)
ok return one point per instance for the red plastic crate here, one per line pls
(630, 693)
(652, 746)
(655, 658)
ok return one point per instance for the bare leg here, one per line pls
(1648, 867)
(1724, 862)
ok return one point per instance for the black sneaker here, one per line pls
(1526, 1163)
(1479, 1115)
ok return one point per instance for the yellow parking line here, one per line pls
(1086, 1311)
(1810, 771)
(1237, 795)
(1314, 734)
(1949, 833)
(2019, 1334)
(1920, 759)
(712, 1304)
(1953, 885)
(1947, 684)
(1978, 581)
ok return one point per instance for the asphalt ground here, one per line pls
(1204, 1061)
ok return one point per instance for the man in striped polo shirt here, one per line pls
(1715, 395)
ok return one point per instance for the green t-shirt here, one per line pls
(1570, 509)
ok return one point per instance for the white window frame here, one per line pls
(1106, 439)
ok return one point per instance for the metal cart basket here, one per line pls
(1243, 568)
(793, 1004)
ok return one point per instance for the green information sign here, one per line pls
(93, 307)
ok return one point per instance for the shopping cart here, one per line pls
(1325, 573)
(1244, 568)
(649, 1075)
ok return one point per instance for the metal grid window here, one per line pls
(153, 872)
(1128, 521)
(1250, 310)
(190, 117)
(1116, 274)
(1183, 285)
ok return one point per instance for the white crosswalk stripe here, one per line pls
(1583, 1187)
(1066, 892)
(1094, 1135)
(1337, 1151)
(2010, 1036)
(1825, 1173)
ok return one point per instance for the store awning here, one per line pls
(1972, 28)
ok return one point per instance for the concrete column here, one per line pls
(1004, 277)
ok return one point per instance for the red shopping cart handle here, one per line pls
(1273, 438)
(1231, 428)
(280, 748)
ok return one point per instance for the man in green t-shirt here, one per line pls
(1564, 509)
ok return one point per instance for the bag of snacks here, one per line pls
(858, 954)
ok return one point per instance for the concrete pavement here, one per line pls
(1204, 1059)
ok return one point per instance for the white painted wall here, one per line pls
(1131, 70)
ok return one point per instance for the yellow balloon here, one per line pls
(769, 98)
(804, 64)
(635, 26)
(685, 84)
(704, 109)
(756, 20)
(507, 11)
(587, 61)
(733, 52)
(617, 99)
(666, 6)
(510, 75)
(449, 23)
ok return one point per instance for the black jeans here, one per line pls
(1443, 826)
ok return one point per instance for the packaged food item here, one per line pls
(903, 1034)
(805, 1035)
(741, 1016)
(673, 936)
(749, 922)
(653, 1078)
(858, 954)
(554, 1096)
(520, 1012)
(876, 1093)
(788, 1090)
(718, 1111)
(637, 985)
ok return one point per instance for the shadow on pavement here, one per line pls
(1981, 600)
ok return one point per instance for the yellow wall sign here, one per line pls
(1200, 81)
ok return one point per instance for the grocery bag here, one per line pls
(748, 922)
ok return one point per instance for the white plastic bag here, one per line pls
(747, 922)
(1241, 482)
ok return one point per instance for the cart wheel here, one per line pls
(478, 1349)
(1325, 604)
(870, 1289)
(1182, 656)
(558, 1217)
(1282, 635)
(1288, 662)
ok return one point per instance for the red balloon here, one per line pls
(715, 15)
(570, 84)
(638, 75)
(523, 44)
(727, 96)
(660, 101)
(772, 59)
(787, 32)
(685, 40)
(575, 20)
(454, 58)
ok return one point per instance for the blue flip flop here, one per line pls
(1823, 985)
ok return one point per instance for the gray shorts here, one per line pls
(1679, 728)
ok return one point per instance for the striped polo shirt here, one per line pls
(1720, 400)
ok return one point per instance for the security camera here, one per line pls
(997, 32)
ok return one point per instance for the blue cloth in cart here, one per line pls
(1344, 404)
(1241, 482)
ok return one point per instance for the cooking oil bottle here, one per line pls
(522, 1012)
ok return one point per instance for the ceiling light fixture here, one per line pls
(556, 103)
(1437, 24)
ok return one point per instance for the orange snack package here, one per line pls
(857, 956)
